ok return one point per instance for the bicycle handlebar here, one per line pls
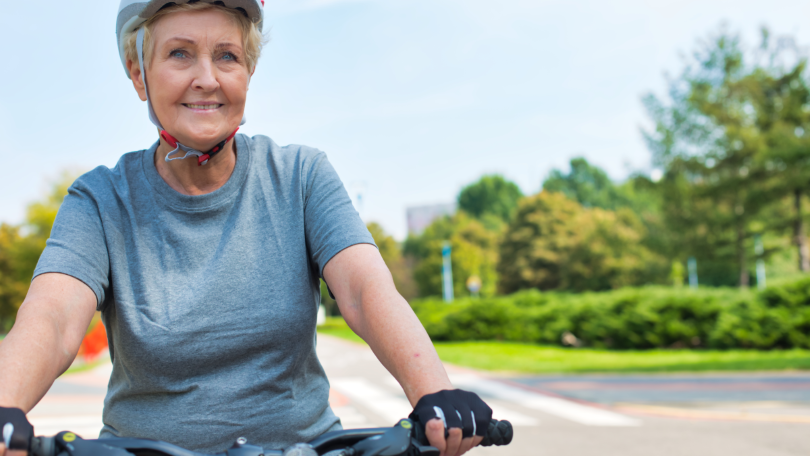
(403, 439)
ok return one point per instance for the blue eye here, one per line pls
(178, 54)
(229, 56)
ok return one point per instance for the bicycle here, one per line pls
(403, 439)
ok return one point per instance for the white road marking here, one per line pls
(562, 408)
(499, 412)
(388, 406)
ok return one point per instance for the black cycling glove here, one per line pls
(457, 409)
(16, 430)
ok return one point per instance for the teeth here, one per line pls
(196, 106)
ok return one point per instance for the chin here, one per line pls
(205, 137)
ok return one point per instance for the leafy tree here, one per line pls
(473, 252)
(555, 243)
(491, 197)
(712, 140)
(780, 97)
(588, 185)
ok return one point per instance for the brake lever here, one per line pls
(396, 441)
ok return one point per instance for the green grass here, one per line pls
(528, 358)
(537, 359)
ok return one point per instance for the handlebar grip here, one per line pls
(499, 433)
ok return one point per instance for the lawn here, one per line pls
(538, 359)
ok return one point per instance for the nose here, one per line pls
(205, 78)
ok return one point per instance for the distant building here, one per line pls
(419, 217)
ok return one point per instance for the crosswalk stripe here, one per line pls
(562, 408)
(388, 406)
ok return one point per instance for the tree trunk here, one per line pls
(798, 234)
(741, 256)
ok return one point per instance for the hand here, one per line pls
(463, 414)
(454, 444)
(15, 432)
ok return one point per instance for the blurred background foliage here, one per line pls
(20, 247)
(603, 263)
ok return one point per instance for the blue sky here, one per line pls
(410, 99)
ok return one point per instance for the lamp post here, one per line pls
(759, 250)
(447, 273)
(691, 264)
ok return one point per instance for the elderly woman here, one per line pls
(204, 254)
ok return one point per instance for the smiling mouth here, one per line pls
(203, 106)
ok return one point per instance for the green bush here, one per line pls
(631, 318)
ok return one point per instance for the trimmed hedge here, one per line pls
(630, 318)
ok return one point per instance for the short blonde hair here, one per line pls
(252, 38)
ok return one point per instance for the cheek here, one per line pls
(167, 89)
(236, 88)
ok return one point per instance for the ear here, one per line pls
(250, 77)
(137, 80)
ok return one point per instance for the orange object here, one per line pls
(94, 343)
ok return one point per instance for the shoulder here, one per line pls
(265, 148)
(292, 160)
(102, 182)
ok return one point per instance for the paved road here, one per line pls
(684, 389)
(578, 415)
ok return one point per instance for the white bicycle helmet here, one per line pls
(133, 13)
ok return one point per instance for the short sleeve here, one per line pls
(77, 246)
(331, 222)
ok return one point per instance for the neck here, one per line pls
(188, 178)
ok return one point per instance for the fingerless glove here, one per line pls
(457, 409)
(17, 431)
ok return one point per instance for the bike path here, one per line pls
(548, 415)
(790, 387)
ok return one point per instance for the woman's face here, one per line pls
(198, 79)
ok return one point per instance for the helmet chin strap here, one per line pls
(202, 157)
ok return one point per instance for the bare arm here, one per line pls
(45, 338)
(368, 300)
(372, 307)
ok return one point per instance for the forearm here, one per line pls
(44, 340)
(386, 322)
(32, 357)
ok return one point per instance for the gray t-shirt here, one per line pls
(210, 301)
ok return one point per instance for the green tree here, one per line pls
(591, 187)
(555, 243)
(474, 252)
(492, 199)
(710, 139)
(588, 185)
(780, 96)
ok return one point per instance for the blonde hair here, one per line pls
(252, 38)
